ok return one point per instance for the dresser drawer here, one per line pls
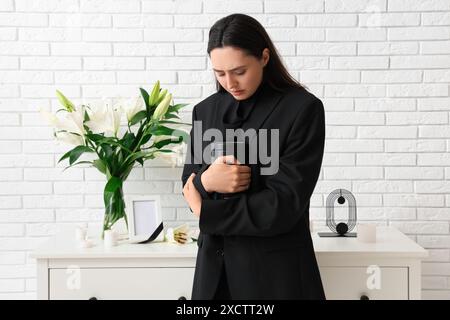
(351, 283)
(121, 283)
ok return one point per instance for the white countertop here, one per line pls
(390, 242)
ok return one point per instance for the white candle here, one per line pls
(109, 239)
(85, 243)
(80, 233)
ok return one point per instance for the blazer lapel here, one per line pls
(264, 106)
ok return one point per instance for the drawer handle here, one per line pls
(93, 298)
(364, 297)
(182, 298)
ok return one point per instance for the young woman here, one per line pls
(256, 245)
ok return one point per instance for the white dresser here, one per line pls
(387, 269)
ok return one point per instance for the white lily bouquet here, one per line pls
(96, 131)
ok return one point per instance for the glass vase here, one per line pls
(114, 209)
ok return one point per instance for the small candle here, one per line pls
(85, 243)
(109, 239)
(80, 233)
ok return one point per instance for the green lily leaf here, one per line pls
(176, 107)
(107, 150)
(127, 141)
(164, 151)
(162, 131)
(120, 156)
(86, 116)
(145, 96)
(100, 165)
(146, 138)
(131, 158)
(165, 142)
(77, 163)
(111, 141)
(113, 184)
(94, 137)
(66, 155)
(126, 172)
(171, 116)
(77, 152)
(138, 117)
(108, 173)
(120, 146)
(174, 122)
(112, 197)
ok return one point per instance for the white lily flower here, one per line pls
(72, 122)
(70, 138)
(77, 117)
(67, 124)
(49, 117)
(104, 119)
(98, 120)
(116, 115)
(133, 106)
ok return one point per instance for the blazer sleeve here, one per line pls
(282, 202)
(192, 166)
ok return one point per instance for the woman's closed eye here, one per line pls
(239, 73)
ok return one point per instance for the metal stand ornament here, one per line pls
(341, 229)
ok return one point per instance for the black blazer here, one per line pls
(262, 237)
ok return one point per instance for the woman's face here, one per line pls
(237, 72)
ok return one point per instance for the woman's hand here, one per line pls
(225, 175)
(192, 196)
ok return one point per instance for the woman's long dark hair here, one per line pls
(246, 33)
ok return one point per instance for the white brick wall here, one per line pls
(382, 68)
